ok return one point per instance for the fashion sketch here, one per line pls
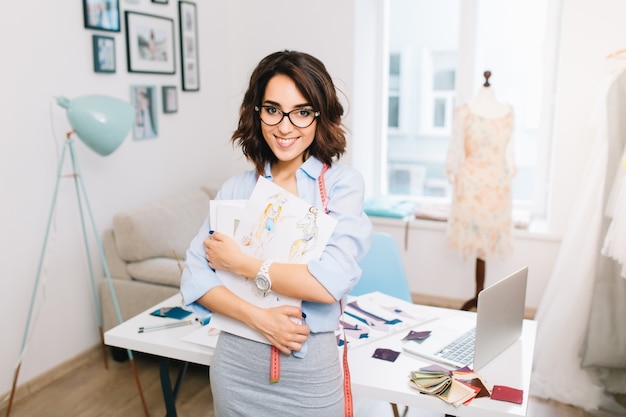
(265, 226)
(309, 236)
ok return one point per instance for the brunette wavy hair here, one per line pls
(315, 84)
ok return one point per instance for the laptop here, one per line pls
(498, 324)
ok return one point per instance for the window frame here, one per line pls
(465, 88)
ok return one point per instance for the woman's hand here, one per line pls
(222, 252)
(283, 326)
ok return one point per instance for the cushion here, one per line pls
(160, 229)
(163, 271)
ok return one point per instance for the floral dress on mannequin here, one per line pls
(480, 167)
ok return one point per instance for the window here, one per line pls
(438, 91)
(394, 91)
(437, 52)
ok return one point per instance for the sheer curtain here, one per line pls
(574, 362)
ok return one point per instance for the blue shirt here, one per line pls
(337, 269)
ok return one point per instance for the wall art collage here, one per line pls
(151, 44)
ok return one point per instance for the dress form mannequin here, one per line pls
(480, 165)
(485, 103)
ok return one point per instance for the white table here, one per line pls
(371, 378)
(166, 344)
(383, 380)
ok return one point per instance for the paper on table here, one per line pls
(205, 336)
(383, 306)
(273, 224)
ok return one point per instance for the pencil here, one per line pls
(144, 329)
(178, 261)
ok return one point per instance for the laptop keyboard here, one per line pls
(460, 350)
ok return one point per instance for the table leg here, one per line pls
(169, 394)
(396, 412)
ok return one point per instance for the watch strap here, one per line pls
(264, 271)
(265, 267)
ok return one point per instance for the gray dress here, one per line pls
(308, 387)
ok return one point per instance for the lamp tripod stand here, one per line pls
(81, 195)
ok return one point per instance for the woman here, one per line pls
(290, 129)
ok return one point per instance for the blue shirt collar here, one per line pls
(312, 167)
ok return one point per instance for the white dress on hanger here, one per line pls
(564, 310)
(615, 239)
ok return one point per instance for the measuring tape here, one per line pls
(347, 387)
(275, 353)
(274, 365)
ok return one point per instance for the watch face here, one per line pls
(262, 283)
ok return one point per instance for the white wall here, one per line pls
(48, 52)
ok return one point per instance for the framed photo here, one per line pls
(144, 99)
(102, 14)
(103, 53)
(150, 43)
(188, 24)
(169, 95)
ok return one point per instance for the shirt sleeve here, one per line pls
(337, 269)
(197, 277)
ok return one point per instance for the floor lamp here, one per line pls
(101, 123)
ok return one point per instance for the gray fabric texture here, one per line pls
(162, 271)
(309, 387)
(161, 228)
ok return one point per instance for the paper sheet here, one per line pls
(273, 224)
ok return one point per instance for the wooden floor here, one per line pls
(93, 391)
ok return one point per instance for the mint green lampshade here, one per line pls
(101, 122)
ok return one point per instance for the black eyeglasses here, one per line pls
(301, 118)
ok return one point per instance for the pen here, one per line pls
(144, 329)
(210, 233)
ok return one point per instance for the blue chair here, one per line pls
(383, 269)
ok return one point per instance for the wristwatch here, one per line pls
(262, 280)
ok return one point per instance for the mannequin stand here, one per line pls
(480, 284)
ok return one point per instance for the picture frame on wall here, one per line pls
(189, 65)
(102, 15)
(169, 96)
(103, 53)
(144, 99)
(149, 43)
